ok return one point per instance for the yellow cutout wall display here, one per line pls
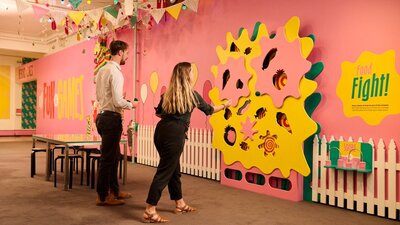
(369, 87)
(5, 92)
(255, 131)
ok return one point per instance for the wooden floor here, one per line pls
(26, 200)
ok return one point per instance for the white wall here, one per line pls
(14, 123)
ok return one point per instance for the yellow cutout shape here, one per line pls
(154, 82)
(195, 73)
(273, 147)
(368, 87)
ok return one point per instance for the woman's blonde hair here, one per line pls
(179, 97)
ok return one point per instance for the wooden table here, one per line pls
(70, 140)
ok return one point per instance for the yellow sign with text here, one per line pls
(368, 87)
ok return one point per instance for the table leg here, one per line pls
(66, 168)
(125, 163)
(47, 177)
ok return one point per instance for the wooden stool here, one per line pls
(88, 152)
(72, 157)
(33, 159)
(93, 158)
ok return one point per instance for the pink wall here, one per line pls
(343, 30)
(61, 66)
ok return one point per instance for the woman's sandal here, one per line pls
(153, 218)
(184, 209)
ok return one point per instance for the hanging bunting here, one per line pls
(133, 21)
(121, 19)
(174, 10)
(21, 5)
(95, 14)
(128, 7)
(110, 17)
(157, 14)
(76, 16)
(75, 3)
(58, 16)
(39, 12)
(112, 10)
(192, 4)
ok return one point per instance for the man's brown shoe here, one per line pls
(122, 195)
(110, 201)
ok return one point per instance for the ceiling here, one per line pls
(23, 35)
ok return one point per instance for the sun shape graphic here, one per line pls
(277, 81)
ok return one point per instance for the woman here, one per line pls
(174, 109)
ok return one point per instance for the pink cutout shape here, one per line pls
(247, 129)
(288, 57)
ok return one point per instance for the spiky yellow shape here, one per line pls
(277, 145)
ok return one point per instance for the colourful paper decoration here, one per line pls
(75, 3)
(143, 93)
(157, 14)
(103, 55)
(133, 21)
(112, 18)
(154, 82)
(192, 4)
(174, 10)
(76, 16)
(112, 10)
(39, 12)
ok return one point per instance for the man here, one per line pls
(109, 95)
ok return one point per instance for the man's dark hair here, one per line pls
(117, 45)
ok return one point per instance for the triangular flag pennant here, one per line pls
(133, 21)
(93, 26)
(104, 20)
(76, 16)
(174, 10)
(157, 14)
(21, 5)
(128, 7)
(112, 10)
(58, 16)
(110, 18)
(192, 4)
(121, 18)
(75, 3)
(95, 14)
(38, 12)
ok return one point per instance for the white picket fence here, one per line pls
(199, 158)
(363, 192)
